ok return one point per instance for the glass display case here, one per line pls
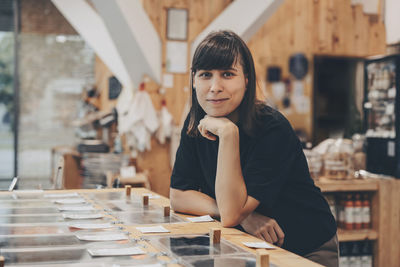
(127, 205)
(193, 245)
(146, 217)
(28, 210)
(245, 260)
(381, 114)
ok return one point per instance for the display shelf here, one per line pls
(384, 215)
(357, 235)
(328, 185)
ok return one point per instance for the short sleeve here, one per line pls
(186, 173)
(269, 163)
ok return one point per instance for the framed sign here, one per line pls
(176, 57)
(177, 21)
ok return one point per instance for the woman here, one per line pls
(240, 160)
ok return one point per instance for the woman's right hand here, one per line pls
(264, 227)
(210, 127)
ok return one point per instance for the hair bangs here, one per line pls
(217, 54)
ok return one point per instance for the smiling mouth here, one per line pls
(216, 101)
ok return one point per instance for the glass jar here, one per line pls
(338, 160)
(359, 157)
(314, 161)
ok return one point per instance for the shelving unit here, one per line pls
(353, 185)
(357, 235)
(385, 210)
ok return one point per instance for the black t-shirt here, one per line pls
(276, 174)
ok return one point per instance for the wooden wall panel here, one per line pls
(288, 31)
(361, 33)
(102, 74)
(388, 219)
(330, 27)
(343, 29)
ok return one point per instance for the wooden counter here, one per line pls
(328, 185)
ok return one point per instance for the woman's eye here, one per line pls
(205, 74)
(228, 74)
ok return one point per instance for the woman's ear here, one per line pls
(247, 82)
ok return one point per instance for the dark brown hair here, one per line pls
(221, 50)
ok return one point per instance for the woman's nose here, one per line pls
(216, 85)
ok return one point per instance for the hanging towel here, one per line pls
(141, 120)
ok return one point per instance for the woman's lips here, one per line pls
(217, 101)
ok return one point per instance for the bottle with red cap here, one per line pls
(366, 212)
(349, 212)
(357, 212)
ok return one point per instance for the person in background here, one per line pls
(240, 160)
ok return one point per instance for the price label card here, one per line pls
(30, 191)
(91, 225)
(153, 229)
(70, 201)
(205, 218)
(61, 195)
(151, 196)
(76, 208)
(116, 251)
(82, 216)
(102, 237)
(258, 245)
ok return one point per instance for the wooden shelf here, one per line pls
(328, 185)
(357, 235)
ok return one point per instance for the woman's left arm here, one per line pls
(230, 189)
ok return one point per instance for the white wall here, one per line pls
(392, 21)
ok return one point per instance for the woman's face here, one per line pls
(220, 92)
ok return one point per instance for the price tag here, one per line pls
(151, 196)
(76, 208)
(258, 245)
(153, 229)
(205, 218)
(70, 201)
(91, 225)
(116, 251)
(103, 237)
(30, 191)
(61, 195)
(79, 216)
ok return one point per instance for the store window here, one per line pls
(7, 102)
(55, 65)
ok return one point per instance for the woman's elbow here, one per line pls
(230, 220)
(174, 198)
